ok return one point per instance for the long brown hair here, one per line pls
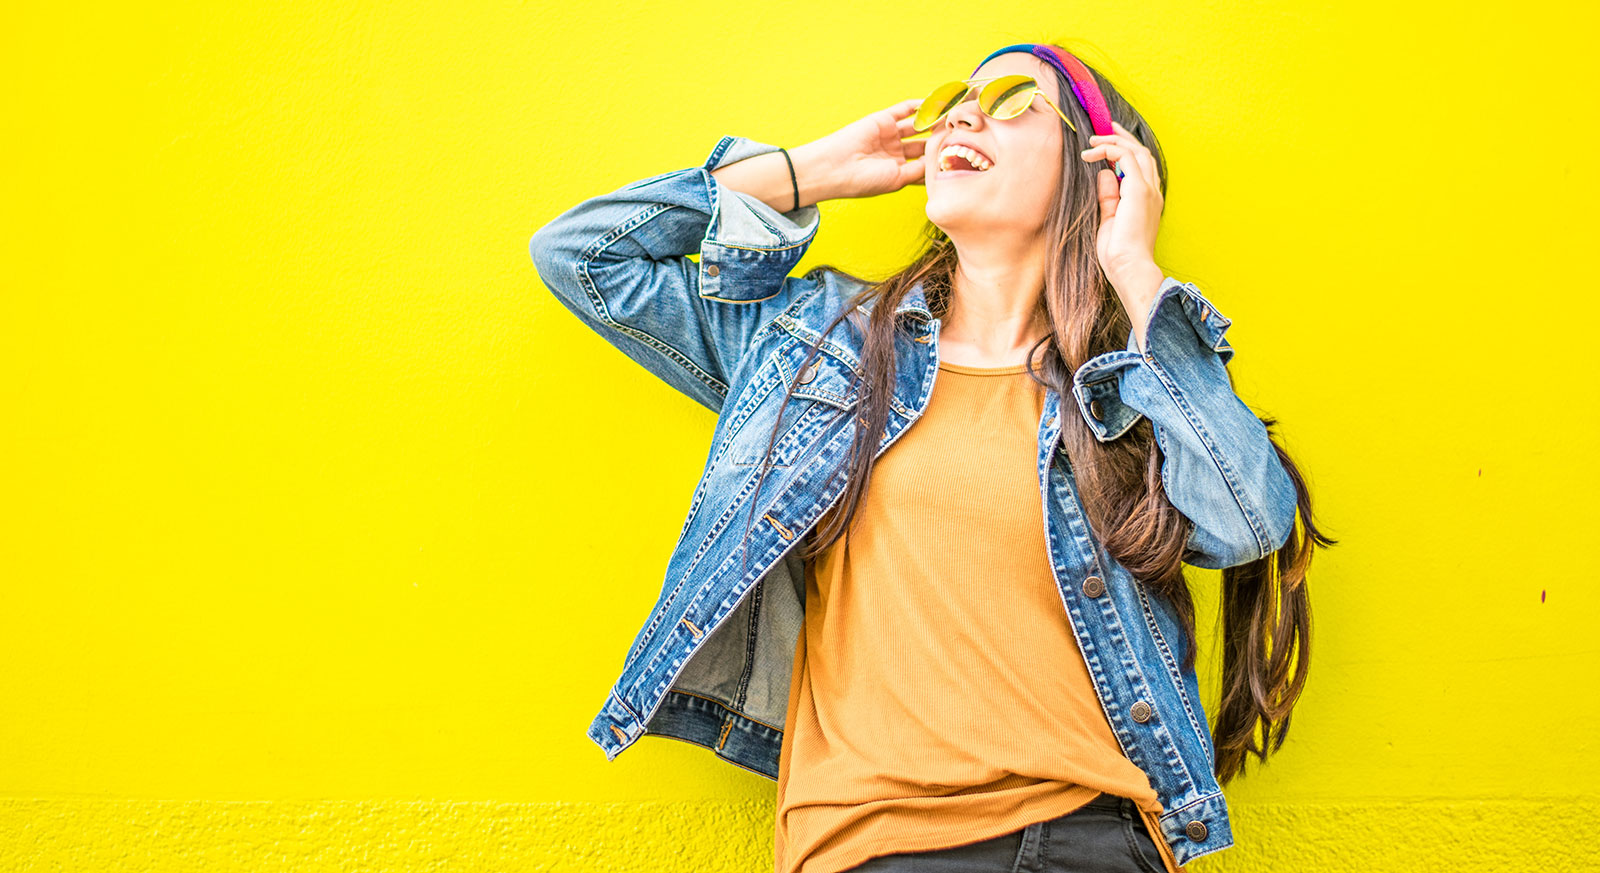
(1266, 609)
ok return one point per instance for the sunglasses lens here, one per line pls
(943, 99)
(1008, 96)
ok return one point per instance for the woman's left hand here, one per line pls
(1130, 208)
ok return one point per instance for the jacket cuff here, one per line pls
(1181, 322)
(748, 243)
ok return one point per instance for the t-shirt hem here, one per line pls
(863, 852)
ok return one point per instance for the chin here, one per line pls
(946, 215)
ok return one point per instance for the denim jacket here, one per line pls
(713, 661)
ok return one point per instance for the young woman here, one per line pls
(997, 460)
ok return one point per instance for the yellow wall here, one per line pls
(317, 551)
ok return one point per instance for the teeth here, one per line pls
(973, 157)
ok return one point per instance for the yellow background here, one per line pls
(326, 528)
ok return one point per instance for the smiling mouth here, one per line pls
(964, 168)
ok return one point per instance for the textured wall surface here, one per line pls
(325, 527)
(196, 836)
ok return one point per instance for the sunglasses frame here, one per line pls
(971, 83)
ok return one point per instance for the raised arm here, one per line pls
(619, 261)
(1218, 466)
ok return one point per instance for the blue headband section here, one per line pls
(1030, 48)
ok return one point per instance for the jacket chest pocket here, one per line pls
(825, 390)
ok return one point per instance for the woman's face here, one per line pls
(1010, 199)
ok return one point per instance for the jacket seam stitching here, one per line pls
(598, 303)
(1228, 476)
(1166, 652)
(765, 249)
(743, 715)
(777, 550)
(705, 296)
(814, 338)
(721, 524)
(757, 594)
(821, 394)
(1085, 641)
(730, 759)
(1202, 800)
(624, 704)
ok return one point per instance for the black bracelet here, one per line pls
(792, 179)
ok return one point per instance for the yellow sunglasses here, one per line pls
(1004, 97)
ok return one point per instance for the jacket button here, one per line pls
(1093, 587)
(711, 270)
(1196, 830)
(1094, 409)
(1141, 714)
(810, 372)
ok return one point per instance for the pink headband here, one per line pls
(1076, 74)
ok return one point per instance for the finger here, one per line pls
(1117, 147)
(1128, 152)
(1137, 160)
(1125, 162)
(1118, 134)
(1120, 137)
(905, 107)
(911, 144)
(1138, 150)
(1118, 156)
(1141, 152)
(914, 172)
(1147, 162)
(1108, 193)
(1126, 136)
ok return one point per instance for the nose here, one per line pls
(966, 112)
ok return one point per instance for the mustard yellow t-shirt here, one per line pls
(939, 696)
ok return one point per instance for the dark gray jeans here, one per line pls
(1107, 835)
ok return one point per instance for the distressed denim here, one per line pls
(711, 663)
(1107, 835)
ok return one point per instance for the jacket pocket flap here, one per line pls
(826, 378)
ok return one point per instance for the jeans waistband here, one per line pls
(1110, 801)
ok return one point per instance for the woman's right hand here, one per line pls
(872, 155)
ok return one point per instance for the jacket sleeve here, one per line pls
(619, 263)
(1218, 466)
